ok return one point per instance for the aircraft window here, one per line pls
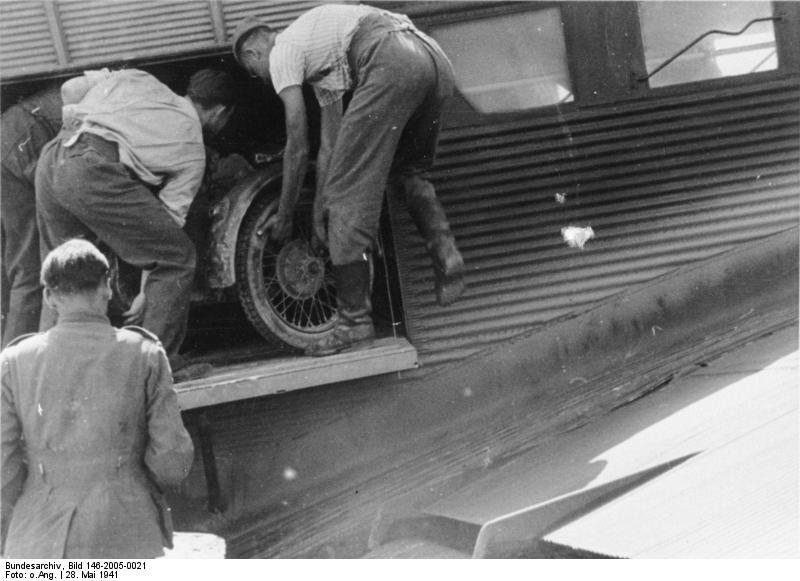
(511, 62)
(728, 46)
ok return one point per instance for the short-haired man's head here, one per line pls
(77, 266)
(213, 93)
(248, 29)
(260, 34)
(212, 87)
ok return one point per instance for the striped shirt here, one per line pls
(314, 48)
(158, 133)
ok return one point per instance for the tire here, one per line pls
(287, 292)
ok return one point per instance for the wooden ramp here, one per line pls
(283, 374)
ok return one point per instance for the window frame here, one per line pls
(641, 77)
(460, 111)
(616, 80)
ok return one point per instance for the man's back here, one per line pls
(95, 407)
(158, 133)
(77, 388)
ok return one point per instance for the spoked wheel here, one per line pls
(287, 292)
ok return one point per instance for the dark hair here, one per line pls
(76, 266)
(210, 87)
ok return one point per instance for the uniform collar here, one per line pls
(83, 317)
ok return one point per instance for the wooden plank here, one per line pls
(281, 375)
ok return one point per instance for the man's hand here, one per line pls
(278, 228)
(135, 314)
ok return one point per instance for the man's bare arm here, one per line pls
(295, 160)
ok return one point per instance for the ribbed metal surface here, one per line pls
(662, 183)
(25, 42)
(99, 32)
(279, 13)
(123, 29)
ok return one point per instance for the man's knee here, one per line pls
(182, 258)
(415, 186)
(351, 233)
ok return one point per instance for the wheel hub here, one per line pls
(300, 272)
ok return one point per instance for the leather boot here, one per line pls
(448, 268)
(354, 310)
(183, 369)
(431, 221)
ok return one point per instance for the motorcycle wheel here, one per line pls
(287, 292)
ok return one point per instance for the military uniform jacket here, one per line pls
(91, 432)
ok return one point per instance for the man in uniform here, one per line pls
(127, 136)
(91, 430)
(26, 128)
(399, 78)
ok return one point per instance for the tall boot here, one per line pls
(431, 221)
(354, 309)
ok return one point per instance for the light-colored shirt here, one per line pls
(314, 49)
(158, 133)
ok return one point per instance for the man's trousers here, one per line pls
(24, 136)
(391, 127)
(84, 191)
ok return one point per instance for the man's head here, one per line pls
(75, 276)
(213, 94)
(252, 42)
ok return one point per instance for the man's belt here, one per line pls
(104, 147)
(56, 468)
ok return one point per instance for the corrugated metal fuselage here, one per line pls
(666, 179)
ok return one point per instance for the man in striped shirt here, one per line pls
(399, 79)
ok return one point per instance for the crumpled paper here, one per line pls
(577, 236)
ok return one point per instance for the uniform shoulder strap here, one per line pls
(143, 332)
(20, 339)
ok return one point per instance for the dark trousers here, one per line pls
(390, 128)
(23, 137)
(20, 257)
(84, 190)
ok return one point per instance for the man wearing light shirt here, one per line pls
(125, 169)
(399, 78)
